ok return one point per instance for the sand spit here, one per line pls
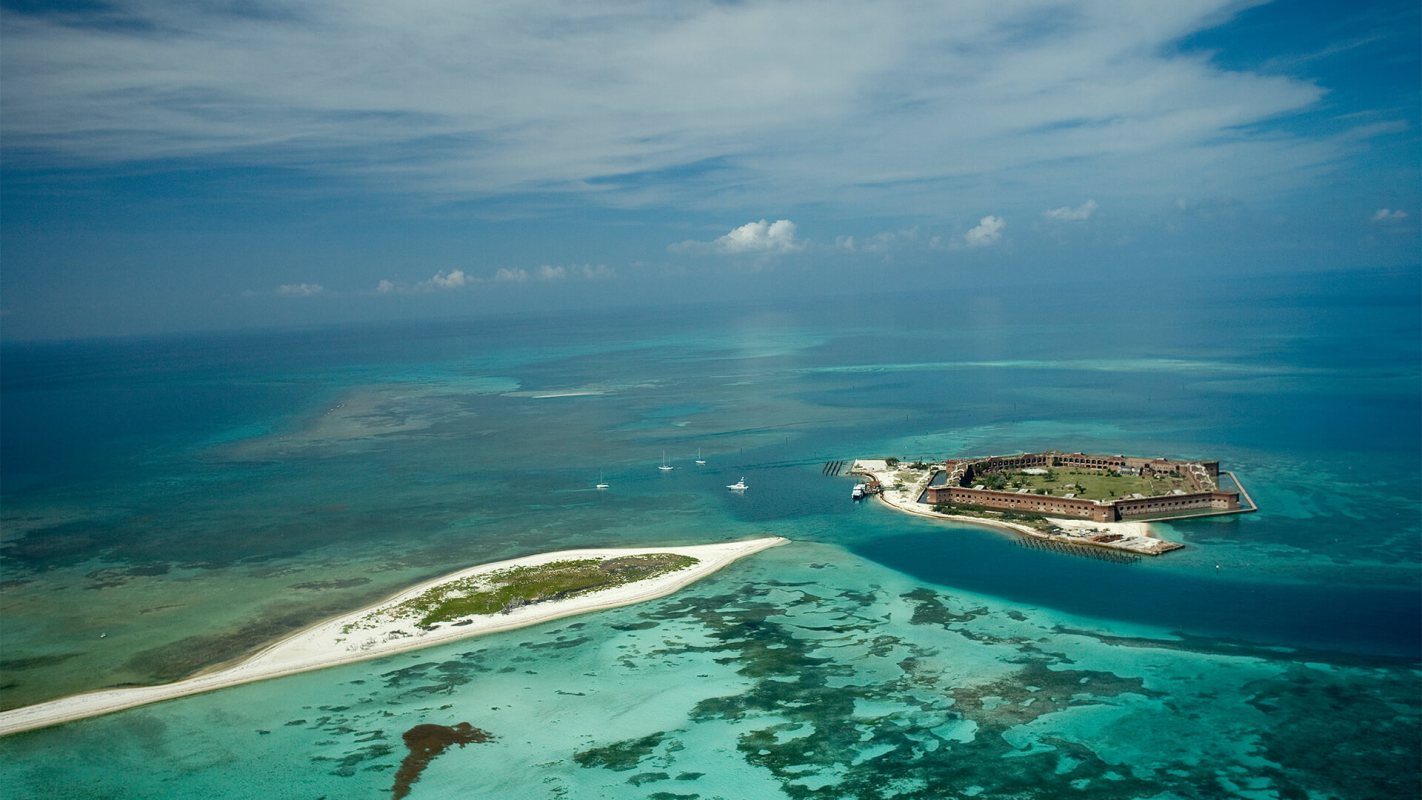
(1134, 537)
(342, 641)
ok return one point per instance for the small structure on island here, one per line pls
(1149, 488)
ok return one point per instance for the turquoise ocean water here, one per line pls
(190, 498)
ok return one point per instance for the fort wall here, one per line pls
(1201, 475)
(1030, 503)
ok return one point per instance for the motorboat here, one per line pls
(738, 486)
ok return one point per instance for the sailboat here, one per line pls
(601, 484)
(665, 467)
(738, 486)
(699, 460)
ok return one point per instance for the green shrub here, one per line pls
(515, 587)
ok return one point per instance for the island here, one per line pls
(1069, 499)
(479, 600)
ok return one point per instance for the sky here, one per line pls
(202, 164)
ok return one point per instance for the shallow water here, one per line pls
(191, 499)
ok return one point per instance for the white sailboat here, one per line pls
(699, 460)
(738, 486)
(601, 484)
(665, 467)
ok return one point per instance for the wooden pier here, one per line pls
(1073, 549)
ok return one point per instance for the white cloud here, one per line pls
(1069, 214)
(549, 272)
(753, 238)
(300, 289)
(442, 280)
(756, 237)
(453, 279)
(457, 278)
(987, 232)
(1389, 215)
(889, 244)
(862, 106)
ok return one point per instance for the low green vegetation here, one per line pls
(1032, 520)
(1085, 484)
(505, 590)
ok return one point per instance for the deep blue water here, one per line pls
(1361, 619)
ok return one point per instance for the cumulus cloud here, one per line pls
(889, 244)
(453, 279)
(440, 281)
(550, 272)
(753, 238)
(595, 272)
(760, 237)
(1389, 215)
(458, 278)
(1069, 214)
(300, 289)
(987, 232)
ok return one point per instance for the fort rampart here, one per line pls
(1203, 495)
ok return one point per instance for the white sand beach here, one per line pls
(330, 643)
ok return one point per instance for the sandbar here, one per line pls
(354, 637)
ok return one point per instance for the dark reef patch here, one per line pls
(59, 545)
(633, 626)
(930, 609)
(623, 755)
(1372, 734)
(319, 586)
(557, 644)
(1036, 690)
(34, 662)
(425, 742)
(109, 577)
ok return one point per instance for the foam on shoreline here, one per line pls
(333, 642)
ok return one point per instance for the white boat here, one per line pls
(738, 486)
(858, 492)
(665, 467)
(600, 483)
(699, 460)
